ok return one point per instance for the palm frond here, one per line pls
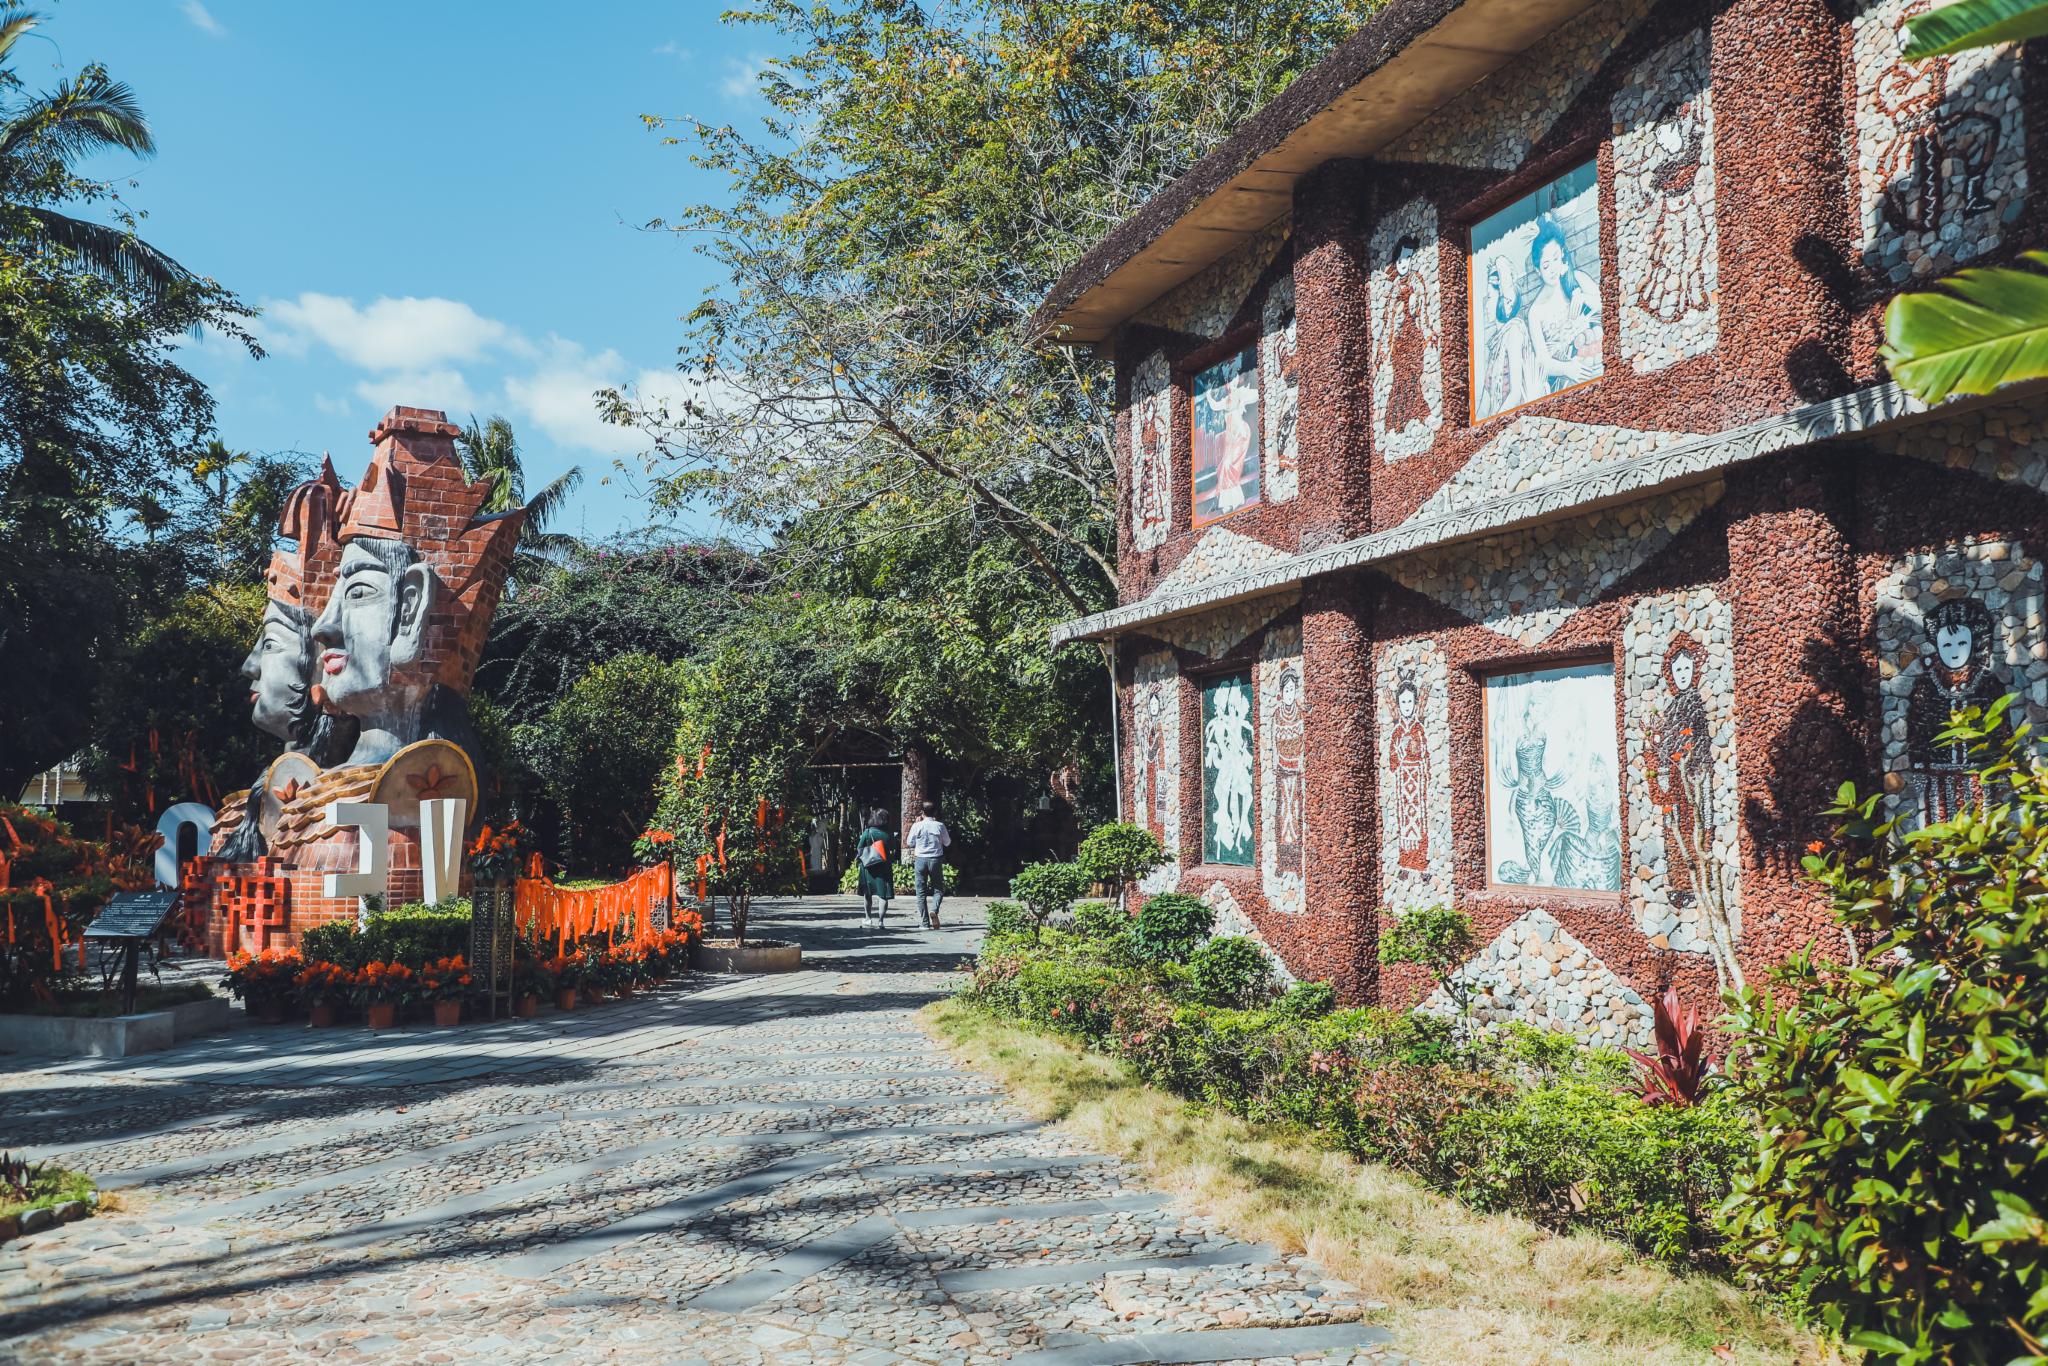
(1977, 331)
(109, 252)
(13, 24)
(90, 113)
(1970, 24)
(542, 507)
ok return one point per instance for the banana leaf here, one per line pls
(1975, 331)
(1974, 23)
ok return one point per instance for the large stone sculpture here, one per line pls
(374, 627)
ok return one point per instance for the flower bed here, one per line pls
(1516, 1120)
(34, 1195)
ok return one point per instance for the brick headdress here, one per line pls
(415, 492)
(301, 577)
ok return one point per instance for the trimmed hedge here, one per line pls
(1517, 1120)
(412, 935)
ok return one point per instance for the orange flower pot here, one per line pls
(323, 1015)
(447, 1014)
(624, 992)
(593, 996)
(565, 999)
(529, 1006)
(383, 1015)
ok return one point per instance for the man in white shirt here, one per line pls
(926, 846)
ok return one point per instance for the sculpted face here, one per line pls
(1681, 671)
(1953, 644)
(1404, 700)
(373, 625)
(277, 668)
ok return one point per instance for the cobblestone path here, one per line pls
(731, 1170)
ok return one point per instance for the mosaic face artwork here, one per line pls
(1225, 436)
(1536, 302)
(1280, 368)
(1283, 773)
(1151, 452)
(1959, 629)
(1407, 334)
(1940, 147)
(1155, 757)
(1415, 748)
(1227, 770)
(1667, 243)
(1553, 786)
(1680, 727)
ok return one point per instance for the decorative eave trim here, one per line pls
(1675, 466)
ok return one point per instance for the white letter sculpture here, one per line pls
(169, 825)
(441, 825)
(373, 859)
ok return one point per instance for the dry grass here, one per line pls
(1464, 1287)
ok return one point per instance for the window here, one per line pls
(1535, 286)
(1224, 431)
(1227, 769)
(1553, 783)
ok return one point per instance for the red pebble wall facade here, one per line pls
(1653, 555)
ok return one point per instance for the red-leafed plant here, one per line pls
(1678, 1070)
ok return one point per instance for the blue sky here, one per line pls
(434, 203)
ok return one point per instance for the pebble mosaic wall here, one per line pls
(1283, 775)
(1280, 396)
(1535, 973)
(1413, 691)
(1666, 238)
(1155, 759)
(1956, 627)
(1232, 921)
(1152, 493)
(1405, 315)
(1532, 452)
(1527, 584)
(1205, 305)
(1939, 161)
(2008, 442)
(1496, 124)
(1217, 632)
(1679, 724)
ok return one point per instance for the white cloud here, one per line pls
(202, 19)
(390, 334)
(742, 78)
(332, 406)
(674, 49)
(559, 396)
(444, 389)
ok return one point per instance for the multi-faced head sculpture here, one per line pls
(279, 666)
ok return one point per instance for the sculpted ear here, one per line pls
(415, 603)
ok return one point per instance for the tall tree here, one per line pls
(490, 450)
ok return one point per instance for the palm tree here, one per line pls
(42, 136)
(489, 450)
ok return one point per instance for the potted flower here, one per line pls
(384, 988)
(498, 853)
(531, 981)
(598, 974)
(444, 982)
(323, 989)
(263, 981)
(566, 971)
(623, 967)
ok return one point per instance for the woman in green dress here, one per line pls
(877, 879)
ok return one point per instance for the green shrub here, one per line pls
(411, 934)
(1118, 855)
(902, 875)
(1307, 1001)
(1231, 972)
(1901, 1180)
(1046, 890)
(1100, 920)
(1170, 926)
(1438, 939)
(1007, 918)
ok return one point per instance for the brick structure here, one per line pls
(1569, 498)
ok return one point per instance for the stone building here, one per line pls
(1514, 511)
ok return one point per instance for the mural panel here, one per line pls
(1956, 628)
(1225, 436)
(1283, 775)
(1536, 302)
(1680, 701)
(1665, 236)
(1152, 497)
(1155, 759)
(1280, 371)
(1553, 786)
(1227, 769)
(1940, 152)
(1415, 781)
(1405, 311)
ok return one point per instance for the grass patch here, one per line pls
(26, 1186)
(1464, 1288)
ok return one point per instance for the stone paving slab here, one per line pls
(772, 1171)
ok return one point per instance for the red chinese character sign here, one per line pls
(376, 619)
